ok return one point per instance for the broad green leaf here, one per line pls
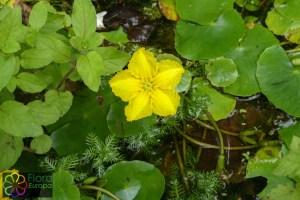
(117, 36)
(202, 12)
(63, 187)
(124, 178)
(277, 23)
(10, 26)
(288, 8)
(83, 18)
(89, 43)
(17, 119)
(212, 40)
(113, 59)
(221, 72)
(253, 5)
(6, 95)
(7, 67)
(290, 164)
(185, 82)
(220, 105)
(118, 125)
(278, 79)
(87, 114)
(44, 113)
(168, 8)
(44, 76)
(35, 58)
(59, 51)
(41, 144)
(30, 83)
(54, 23)
(90, 68)
(10, 150)
(38, 15)
(284, 191)
(287, 133)
(61, 100)
(11, 46)
(245, 56)
(12, 84)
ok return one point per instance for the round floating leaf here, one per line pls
(202, 11)
(209, 41)
(17, 119)
(41, 144)
(10, 150)
(127, 178)
(118, 125)
(220, 105)
(87, 114)
(287, 133)
(185, 82)
(279, 80)
(64, 187)
(288, 8)
(221, 72)
(245, 56)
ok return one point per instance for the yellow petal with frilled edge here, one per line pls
(139, 107)
(125, 85)
(169, 74)
(165, 102)
(143, 65)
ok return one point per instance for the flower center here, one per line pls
(148, 86)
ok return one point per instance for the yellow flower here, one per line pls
(148, 86)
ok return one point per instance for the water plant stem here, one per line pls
(92, 187)
(211, 146)
(213, 129)
(66, 76)
(199, 152)
(181, 166)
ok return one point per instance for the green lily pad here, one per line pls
(288, 7)
(209, 41)
(279, 80)
(41, 144)
(185, 81)
(287, 133)
(134, 180)
(220, 105)
(221, 72)
(87, 114)
(202, 11)
(118, 125)
(245, 56)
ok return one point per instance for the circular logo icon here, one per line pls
(14, 185)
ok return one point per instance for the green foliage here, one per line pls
(41, 144)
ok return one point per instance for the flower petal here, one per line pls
(125, 86)
(143, 64)
(138, 107)
(169, 74)
(165, 102)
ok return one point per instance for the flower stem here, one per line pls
(92, 187)
(213, 129)
(181, 166)
(66, 76)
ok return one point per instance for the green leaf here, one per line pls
(118, 125)
(185, 82)
(41, 144)
(54, 47)
(202, 12)
(220, 105)
(221, 72)
(89, 43)
(287, 133)
(125, 178)
(11, 46)
(278, 79)
(63, 187)
(6, 69)
(17, 119)
(54, 23)
(117, 36)
(38, 15)
(61, 100)
(83, 18)
(213, 40)
(10, 26)
(113, 59)
(6, 95)
(30, 83)
(290, 164)
(44, 113)
(282, 191)
(10, 150)
(90, 68)
(35, 58)
(245, 56)
(86, 115)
